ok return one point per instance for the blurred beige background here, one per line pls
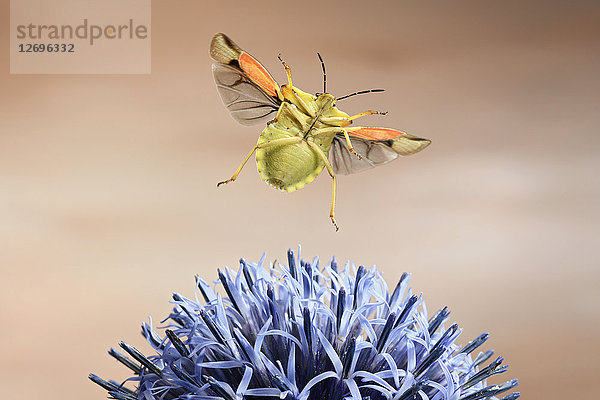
(108, 200)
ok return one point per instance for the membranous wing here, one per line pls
(376, 146)
(247, 89)
(247, 103)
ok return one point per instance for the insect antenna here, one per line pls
(324, 73)
(361, 92)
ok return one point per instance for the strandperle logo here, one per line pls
(85, 30)
(80, 37)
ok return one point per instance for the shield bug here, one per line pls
(305, 133)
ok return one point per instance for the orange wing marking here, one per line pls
(258, 74)
(374, 133)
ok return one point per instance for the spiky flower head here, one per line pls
(307, 332)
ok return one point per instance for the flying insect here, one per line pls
(305, 133)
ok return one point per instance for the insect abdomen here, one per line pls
(287, 167)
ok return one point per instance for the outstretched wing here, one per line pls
(246, 101)
(247, 89)
(375, 145)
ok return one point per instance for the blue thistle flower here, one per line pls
(304, 332)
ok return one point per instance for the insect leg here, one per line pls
(350, 145)
(276, 142)
(288, 71)
(369, 112)
(297, 99)
(332, 131)
(237, 171)
(318, 150)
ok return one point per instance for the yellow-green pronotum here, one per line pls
(307, 132)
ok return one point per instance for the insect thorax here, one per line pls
(310, 119)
